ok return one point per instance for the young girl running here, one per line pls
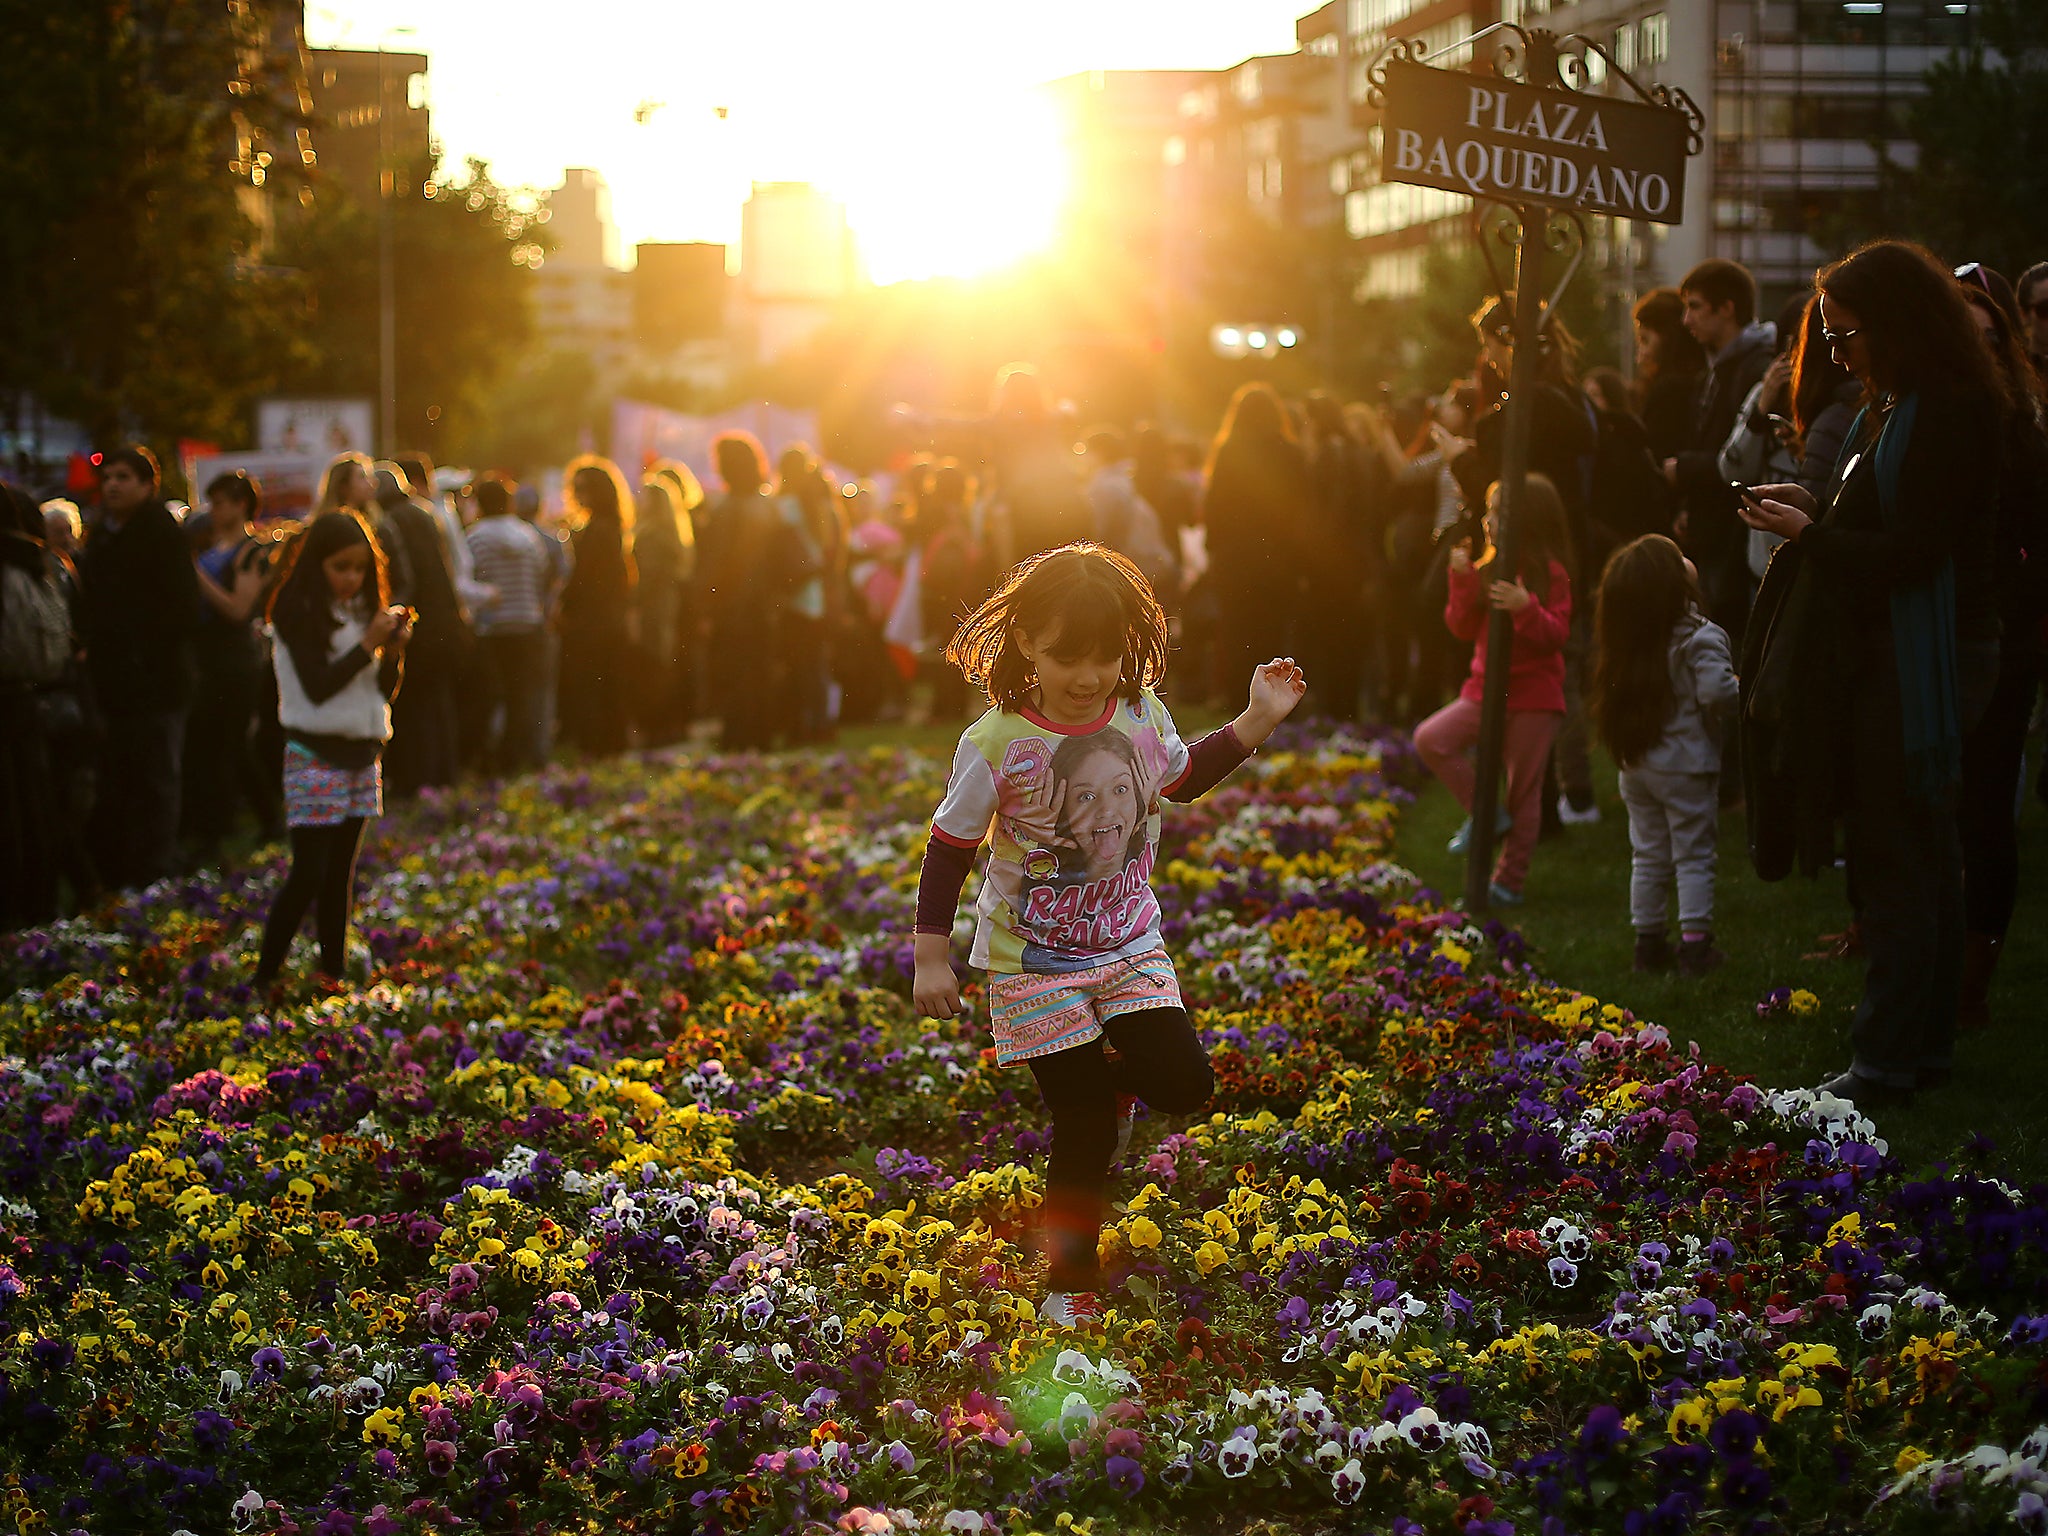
(339, 653)
(1661, 683)
(1064, 775)
(1539, 595)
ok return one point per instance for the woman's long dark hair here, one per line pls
(1645, 593)
(1255, 424)
(1543, 533)
(1087, 600)
(2009, 351)
(1917, 326)
(1816, 377)
(1661, 312)
(302, 604)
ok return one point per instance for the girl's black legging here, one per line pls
(1160, 1061)
(323, 877)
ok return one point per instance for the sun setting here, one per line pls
(956, 188)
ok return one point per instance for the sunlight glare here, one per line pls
(953, 188)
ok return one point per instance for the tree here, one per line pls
(135, 167)
(1977, 185)
(462, 252)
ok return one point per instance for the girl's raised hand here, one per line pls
(1276, 688)
(380, 627)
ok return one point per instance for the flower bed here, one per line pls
(628, 1196)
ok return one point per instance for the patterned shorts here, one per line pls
(318, 794)
(1037, 1015)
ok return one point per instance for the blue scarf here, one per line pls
(1923, 631)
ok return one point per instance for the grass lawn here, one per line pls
(1576, 919)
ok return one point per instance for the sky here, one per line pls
(917, 113)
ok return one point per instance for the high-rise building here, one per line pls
(582, 302)
(580, 219)
(679, 314)
(370, 115)
(797, 260)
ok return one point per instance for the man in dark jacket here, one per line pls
(424, 748)
(1720, 312)
(141, 605)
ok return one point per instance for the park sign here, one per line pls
(1512, 142)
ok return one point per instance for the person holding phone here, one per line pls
(223, 770)
(339, 650)
(1897, 651)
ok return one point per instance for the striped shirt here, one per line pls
(511, 557)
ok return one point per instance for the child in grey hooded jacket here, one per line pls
(1663, 680)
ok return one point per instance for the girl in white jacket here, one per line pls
(1662, 680)
(339, 653)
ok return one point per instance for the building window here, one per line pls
(1656, 39)
(1175, 151)
(1247, 84)
(1340, 176)
(1625, 45)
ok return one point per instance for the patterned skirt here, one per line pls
(318, 794)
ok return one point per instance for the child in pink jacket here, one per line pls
(1539, 595)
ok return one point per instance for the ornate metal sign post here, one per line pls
(1531, 137)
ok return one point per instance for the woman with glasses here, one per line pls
(1893, 651)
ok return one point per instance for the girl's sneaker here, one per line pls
(1653, 951)
(1069, 1309)
(1698, 956)
(1462, 838)
(1502, 896)
(1126, 1123)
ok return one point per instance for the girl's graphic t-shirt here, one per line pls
(1072, 814)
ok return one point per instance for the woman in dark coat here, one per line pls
(596, 617)
(1256, 496)
(1891, 649)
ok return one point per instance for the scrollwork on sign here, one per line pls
(1532, 56)
(1399, 50)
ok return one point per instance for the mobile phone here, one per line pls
(1745, 493)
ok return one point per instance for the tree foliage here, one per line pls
(1978, 185)
(170, 255)
(132, 296)
(462, 295)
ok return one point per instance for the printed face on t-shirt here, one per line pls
(1102, 810)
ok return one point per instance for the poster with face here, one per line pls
(1081, 810)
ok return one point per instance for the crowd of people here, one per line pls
(160, 690)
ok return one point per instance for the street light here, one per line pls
(1243, 340)
(387, 275)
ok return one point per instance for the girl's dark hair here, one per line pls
(1067, 757)
(1559, 347)
(1611, 390)
(1645, 593)
(1661, 312)
(22, 542)
(1543, 533)
(1087, 600)
(1816, 376)
(302, 604)
(1917, 326)
(237, 485)
(2007, 348)
(740, 461)
(1254, 423)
